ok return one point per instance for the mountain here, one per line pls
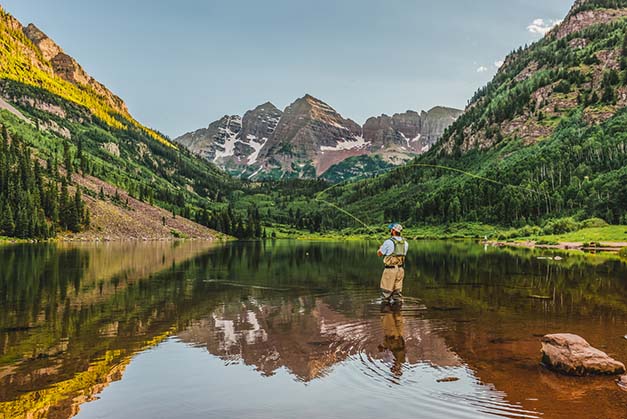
(310, 139)
(234, 142)
(545, 139)
(73, 161)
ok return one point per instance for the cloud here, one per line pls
(499, 63)
(482, 69)
(541, 27)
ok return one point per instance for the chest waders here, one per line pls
(397, 258)
(394, 273)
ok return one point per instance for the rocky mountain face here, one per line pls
(234, 142)
(68, 68)
(409, 133)
(310, 138)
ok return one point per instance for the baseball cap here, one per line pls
(396, 227)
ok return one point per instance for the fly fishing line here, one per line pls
(424, 165)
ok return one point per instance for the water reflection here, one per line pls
(464, 344)
(393, 346)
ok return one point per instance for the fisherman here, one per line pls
(393, 251)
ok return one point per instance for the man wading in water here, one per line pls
(393, 251)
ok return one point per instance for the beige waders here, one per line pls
(394, 273)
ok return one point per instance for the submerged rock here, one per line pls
(571, 354)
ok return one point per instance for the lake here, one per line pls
(284, 329)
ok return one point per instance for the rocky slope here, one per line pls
(532, 90)
(310, 138)
(69, 69)
(32, 58)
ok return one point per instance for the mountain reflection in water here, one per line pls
(284, 329)
(308, 337)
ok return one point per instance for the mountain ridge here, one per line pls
(32, 58)
(310, 138)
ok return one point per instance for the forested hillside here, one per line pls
(64, 121)
(35, 200)
(550, 129)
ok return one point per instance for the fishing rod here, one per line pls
(424, 165)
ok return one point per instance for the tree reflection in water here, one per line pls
(71, 317)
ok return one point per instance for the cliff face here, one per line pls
(310, 137)
(68, 68)
(410, 131)
(234, 142)
(32, 58)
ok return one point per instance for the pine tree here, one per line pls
(7, 222)
(64, 206)
(67, 156)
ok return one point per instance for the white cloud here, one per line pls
(541, 27)
(482, 69)
(499, 63)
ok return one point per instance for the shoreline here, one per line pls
(604, 246)
(65, 239)
(598, 246)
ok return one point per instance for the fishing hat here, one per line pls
(396, 227)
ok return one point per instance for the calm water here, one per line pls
(295, 329)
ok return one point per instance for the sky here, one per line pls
(179, 65)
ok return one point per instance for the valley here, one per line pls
(549, 129)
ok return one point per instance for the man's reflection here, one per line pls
(393, 345)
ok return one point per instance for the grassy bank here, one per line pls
(449, 231)
(584, 233)
(11, 240)
(613, 234)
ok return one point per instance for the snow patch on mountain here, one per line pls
(230, 139)
(355, 143)
(257, 146)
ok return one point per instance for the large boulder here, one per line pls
(571, 354)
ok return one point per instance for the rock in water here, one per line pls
(622, 382)
(571, 354)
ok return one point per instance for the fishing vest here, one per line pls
(397, 258)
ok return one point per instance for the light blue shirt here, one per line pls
(387, 248)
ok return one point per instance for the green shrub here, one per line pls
(178, 235)
(547, 242)
(561, 226)
(592, 244)
(528, 230)
(623, 252)
(593, 223)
